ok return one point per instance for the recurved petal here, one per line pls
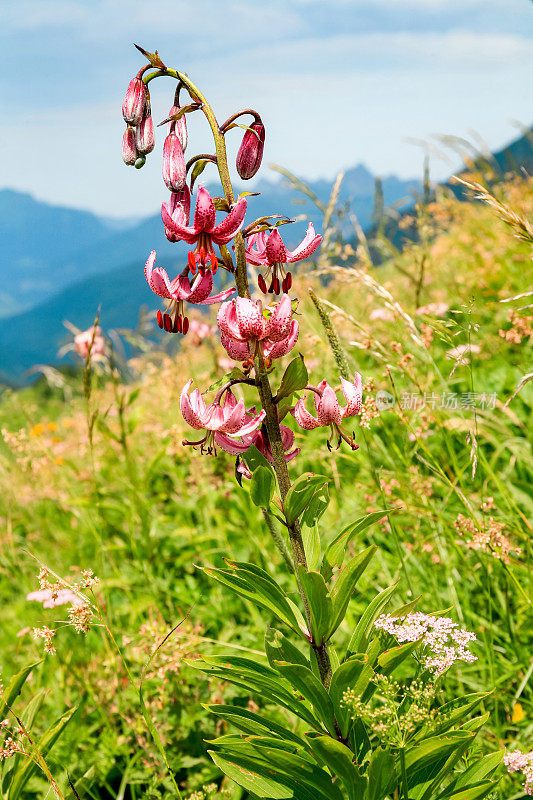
(239, 351)
(205, 212)
(302, 416)
(234, 418)
(316, 396)
(250, 320)
(218, 298)
(252, 423)
(329, 409)
(179, 230)
(306, 247)
(275, 250)
(227, 321)
(232, 446)
(280, 349)
(353, 393)
(192, 407)
(231, 224)
(157, 278)
(279, 323)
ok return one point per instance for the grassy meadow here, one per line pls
(95, 477)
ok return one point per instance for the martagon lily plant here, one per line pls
(332, 693)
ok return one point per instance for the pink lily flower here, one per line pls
(260, 440)
(267, 250)
(223, 422)
(245, 329)
(204, 232)
(329, 412)
(179, 290)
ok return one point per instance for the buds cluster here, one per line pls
(138, 138)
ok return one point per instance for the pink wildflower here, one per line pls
(433, 309)
(329, 412)
(51, 599)
(90, 343)
(245, 328)
(223, 422)
(267, 250)
(444, 642)
(179, 290)
(516, 761)
(204, 232)
(200, 330)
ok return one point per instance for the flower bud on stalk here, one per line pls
(133, 106)
(129, 149)
(174, 168)
(251, 151)
(179, 126)
(144, 136)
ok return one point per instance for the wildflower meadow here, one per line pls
(275, 542)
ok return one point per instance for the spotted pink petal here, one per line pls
(232, 446)
(353, 393)
(302, 416)
(192, 407)
(231, 224)
(279, 323)
(180, 231)
(217, 298)
(157, 278)
(252, 424)
(275, 250)
(256, 249)
(329, 410)
(250, 320)
(317, 396)
(239, 351)
(205, 212)
(280, 349)
(306, 247)
(227, 321)
(234, 419)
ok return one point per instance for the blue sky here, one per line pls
(337, 82)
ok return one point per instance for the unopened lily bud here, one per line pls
(174, 168)
(133, 106)
(179, 127)
(144, 136)
(129, 150)
(251, 151)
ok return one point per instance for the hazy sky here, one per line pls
(337, 82)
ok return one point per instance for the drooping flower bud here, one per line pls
(174, 168)
(144, 136)
(129, 150)
(133, 106)
(251, 151)
(179, 127)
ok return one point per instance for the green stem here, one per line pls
(278, 539)
(404, 775)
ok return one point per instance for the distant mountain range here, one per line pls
(61, 263)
